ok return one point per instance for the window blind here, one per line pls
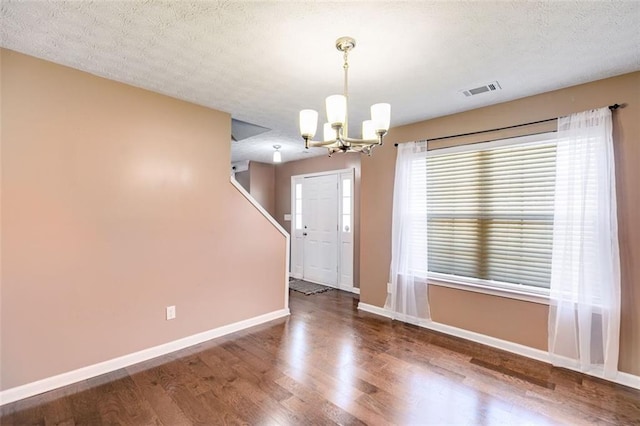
(490, 213)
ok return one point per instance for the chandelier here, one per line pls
(336, 129)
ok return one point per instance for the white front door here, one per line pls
(320, 229)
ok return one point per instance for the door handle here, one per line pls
(304, 234)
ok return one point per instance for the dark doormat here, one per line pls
(308, 288)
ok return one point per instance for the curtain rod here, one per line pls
(611, 107)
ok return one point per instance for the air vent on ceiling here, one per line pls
(489, 87)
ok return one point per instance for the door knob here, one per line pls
(304, 234)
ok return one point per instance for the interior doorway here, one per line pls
(322, 228)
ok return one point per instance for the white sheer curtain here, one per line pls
(408, 297)
(584, 311)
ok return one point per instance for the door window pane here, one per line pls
(346, 205)
(298, 207)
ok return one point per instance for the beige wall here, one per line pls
(116, 203)
(262, 185)
(284, 172)
(508, 319)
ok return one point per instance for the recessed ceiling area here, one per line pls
(242, 130)
(263, 62)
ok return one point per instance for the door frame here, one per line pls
(344, 279)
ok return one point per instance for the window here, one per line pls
(346, 205)
(490, 212)
(298, 211)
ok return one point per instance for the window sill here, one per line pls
(542, 297)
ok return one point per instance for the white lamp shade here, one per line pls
(368, 131)
(381, 116)
(328, 132)
(308, 123)
(277, 157)
(336, 109)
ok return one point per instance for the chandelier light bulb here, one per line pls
(368, 131)
(308, 123)
(336, 109)
(381, 117)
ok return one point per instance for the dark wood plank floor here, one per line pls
(330, 364)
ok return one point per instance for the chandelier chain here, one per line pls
(346, 91)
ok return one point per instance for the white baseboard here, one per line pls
(354, 290)
(64, 379)
(621, 378)
(627, 379)
(374, 310)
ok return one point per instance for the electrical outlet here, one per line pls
(171, 312)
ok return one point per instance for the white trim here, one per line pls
(84, 373)
(294, 231)
(627, 379)
(346, 237)
(294, 241)
(494, 291)
(372, 309)
(442, 280)
(494, 342)
(271, 220)
(327, 172)
(354, 290)
(621, 378)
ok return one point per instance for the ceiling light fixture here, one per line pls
(335, 135)
(277, 156)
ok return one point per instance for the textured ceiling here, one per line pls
(264, 61)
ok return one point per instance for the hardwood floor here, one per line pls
(330, 364)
